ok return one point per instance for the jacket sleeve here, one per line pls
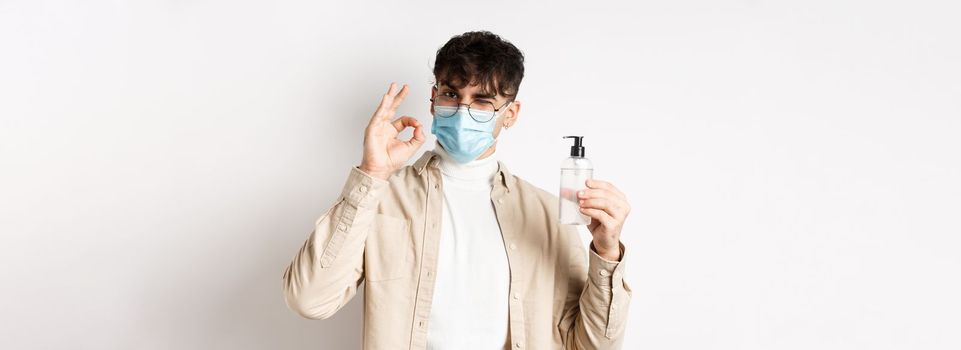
(598, 298)
(325, 274)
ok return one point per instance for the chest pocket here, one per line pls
(389, 253)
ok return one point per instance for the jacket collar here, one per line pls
(431, 158)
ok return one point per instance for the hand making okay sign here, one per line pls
(383, 152)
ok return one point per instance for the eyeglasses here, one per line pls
(479, 110)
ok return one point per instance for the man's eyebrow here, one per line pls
(479, 94)
(484, 95)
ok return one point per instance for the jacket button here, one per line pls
(602, 272)
(513, 246)
(500, 200)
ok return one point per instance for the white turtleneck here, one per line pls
(473, 279)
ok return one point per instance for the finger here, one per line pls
(594, 183)
(403, 122)
(597, 193)
(599, 215)
(418, 138)
(388, 98)
(608, 190)
(567, 192)
(385, 102)
(399, 98)
(612, 207)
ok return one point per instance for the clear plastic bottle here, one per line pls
(575, 170)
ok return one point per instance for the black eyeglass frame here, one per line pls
(496, 109)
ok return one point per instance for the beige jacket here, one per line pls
(562, 296)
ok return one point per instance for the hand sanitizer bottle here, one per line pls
(575, 171)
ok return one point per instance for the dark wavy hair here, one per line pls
(480, 57)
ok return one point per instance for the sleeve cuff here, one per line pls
(361, 189)
(604, 272)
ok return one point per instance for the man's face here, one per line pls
(506, 115)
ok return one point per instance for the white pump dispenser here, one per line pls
(575, 171)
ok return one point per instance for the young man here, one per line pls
(457, 252)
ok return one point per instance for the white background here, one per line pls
(793, 167)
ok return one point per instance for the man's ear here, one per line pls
(512, 113)
(433, 93)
